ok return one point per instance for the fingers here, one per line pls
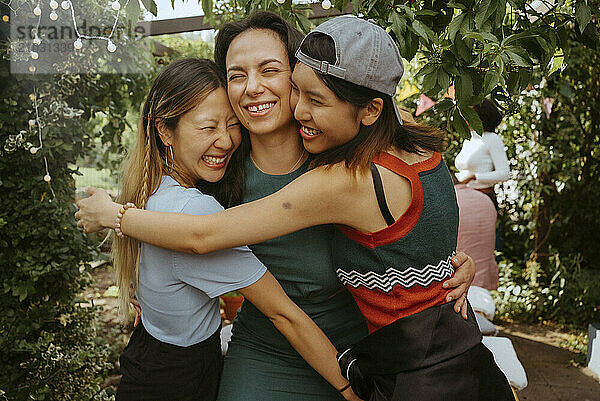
(459, 258)
(461, 306)
(459, 277)
(138, 313)
(457, 292)
(91, 190)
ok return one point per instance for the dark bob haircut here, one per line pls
(489, 114)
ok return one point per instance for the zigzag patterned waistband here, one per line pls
(392, 277)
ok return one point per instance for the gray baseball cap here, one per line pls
(366, 55)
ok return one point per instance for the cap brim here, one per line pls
(398, 116)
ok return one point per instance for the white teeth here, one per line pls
(213, 160)
(310, 131)
(260, 107)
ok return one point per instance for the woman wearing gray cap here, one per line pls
(325, 195)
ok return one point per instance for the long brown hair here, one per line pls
(374, 139)
(179, 88)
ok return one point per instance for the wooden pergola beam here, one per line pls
(192, 24)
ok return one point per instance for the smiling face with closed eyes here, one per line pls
(258, 84)
(203, 140)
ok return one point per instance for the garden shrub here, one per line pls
(50, 346)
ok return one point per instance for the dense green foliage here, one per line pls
(482, 47)
(49, 344)
(548, 216)
(551, 223)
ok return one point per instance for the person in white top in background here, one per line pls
(482, 161)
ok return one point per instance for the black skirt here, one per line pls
(154, 370)
(432, 355)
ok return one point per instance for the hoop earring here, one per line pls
(172, 159)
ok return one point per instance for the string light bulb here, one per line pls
(33, 150)
(326, 4)
(53, 4)
(78, 44)
(65, 5)
(37, 11)
(47, 178)
(281, 1)
(53, 15)
(34, 55)
(31, 122)
(115, 5)
(37, 41)
(32, 68)
(111, 47)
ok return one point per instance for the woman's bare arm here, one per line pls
(302, 333)
(317, 197)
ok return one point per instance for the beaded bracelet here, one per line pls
(120, 214)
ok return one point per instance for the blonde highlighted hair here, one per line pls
(179, 88)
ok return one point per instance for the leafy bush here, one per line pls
(49, 344)
(572, 295)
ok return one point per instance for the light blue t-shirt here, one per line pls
(178, 292)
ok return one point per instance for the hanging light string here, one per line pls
(34, 150)
(37, 11)
(115, 5)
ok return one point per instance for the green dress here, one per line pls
(260, 364)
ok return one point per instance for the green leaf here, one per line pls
(132, 12)
(490, 81)
(512, 81)
(481, 37)
(207, 7)
(457, 5)
(443, 105)
(454, 26)
(149, 5)
(583, 14)
(565, 89)
(517, 36)
(557, 62)
(459, 124)
(464, 88)
(472, 119)
(430, 80)
(422, 30)
(425, 70)
(443, 79)
(500, 13)
(481, 14)
(462, 50)
(518, 56)
(408, 11)
(398, 27)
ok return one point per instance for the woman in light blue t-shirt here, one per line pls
(188, 133)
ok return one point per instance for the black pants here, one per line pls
(432, 355)
(154, 370)
(471, 376)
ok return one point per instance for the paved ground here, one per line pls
(550, 373)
